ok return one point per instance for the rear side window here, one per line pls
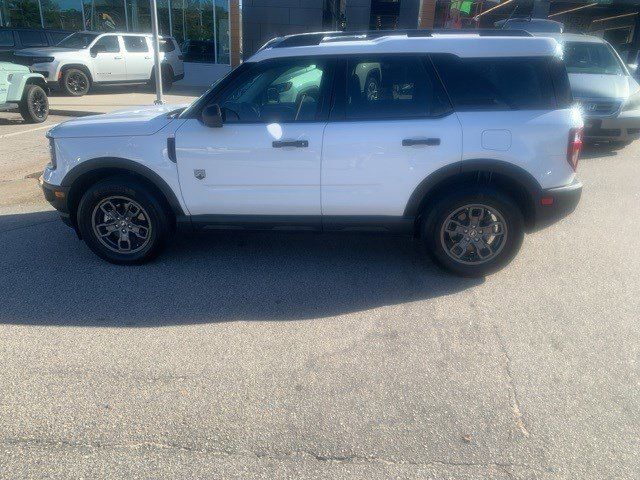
(6, 38)
(560, 80)
(497, 83)
(135, 44)
(32, 38)
(392, 87)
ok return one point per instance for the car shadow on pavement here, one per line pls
(599, 150)
(49, 277)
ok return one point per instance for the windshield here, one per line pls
(77, 40)
(582, 57)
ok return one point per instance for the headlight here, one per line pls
(633, 102)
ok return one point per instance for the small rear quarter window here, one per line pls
(166, 45)
(497, 83)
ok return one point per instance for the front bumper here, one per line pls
(553, 204)
(58, 197)
(623, 128)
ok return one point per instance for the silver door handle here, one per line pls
(430, 142)
(290, 143)
(117, 58)
(147, 58)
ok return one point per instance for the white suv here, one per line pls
(466, 141)
(86, 58)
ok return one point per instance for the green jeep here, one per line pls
(25, 91)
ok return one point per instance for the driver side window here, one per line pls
(279, 92)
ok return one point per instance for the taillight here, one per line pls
(575, 147)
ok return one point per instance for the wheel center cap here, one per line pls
(472, 233)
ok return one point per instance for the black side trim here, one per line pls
(310, 223)
(124, 164)
(514, 172)
(256, 222)
(368, 223)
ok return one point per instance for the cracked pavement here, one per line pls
(321, 357)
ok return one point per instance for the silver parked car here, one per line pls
(604, 87)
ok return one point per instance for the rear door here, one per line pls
(391, 126)
(138, 57)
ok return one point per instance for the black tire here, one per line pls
(621, 143)
(34, 106)
(113, 190)
(436, 234)
(167, 79)
(75, 82)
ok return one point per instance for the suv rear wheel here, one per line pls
(474, 232)
(122, 221)
(75, 82)
(34, 106)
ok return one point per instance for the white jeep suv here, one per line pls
(466, 141)
(86, 58)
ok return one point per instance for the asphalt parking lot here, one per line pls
(304, 356)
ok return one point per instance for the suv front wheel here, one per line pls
(34, 106)
(75, 82)
(122, 221)
(474, 232)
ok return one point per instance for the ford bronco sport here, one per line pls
(465, 140)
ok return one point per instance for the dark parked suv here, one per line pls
(12, 39)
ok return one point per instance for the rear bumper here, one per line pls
(554, 204)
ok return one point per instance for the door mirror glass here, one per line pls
(212, 116)
(96, 49)
(633, 68)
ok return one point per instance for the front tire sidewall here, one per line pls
(509, 210)
(27, 108)
(73, 93)
(134, 191)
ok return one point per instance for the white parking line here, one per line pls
(51, 125)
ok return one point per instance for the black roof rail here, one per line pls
(315, 38)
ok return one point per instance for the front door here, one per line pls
(108, 60)
(265, 159)
(138, 57)
(391, 127)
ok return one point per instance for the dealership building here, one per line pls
(218, 34)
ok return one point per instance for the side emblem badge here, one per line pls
(199, 173)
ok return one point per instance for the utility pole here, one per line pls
(156, 52)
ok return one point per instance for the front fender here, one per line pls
(18, 83)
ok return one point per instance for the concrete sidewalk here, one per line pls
(109, 99)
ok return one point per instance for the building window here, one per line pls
(200, 26)
(62, 14)
(20, 13)
(105, 15)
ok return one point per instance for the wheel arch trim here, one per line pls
(106, 163)
(433, 180)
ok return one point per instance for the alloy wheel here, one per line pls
(474, 234)
(121, 224)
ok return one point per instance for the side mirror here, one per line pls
(633, 68)
(96, 49)
(212, 116)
